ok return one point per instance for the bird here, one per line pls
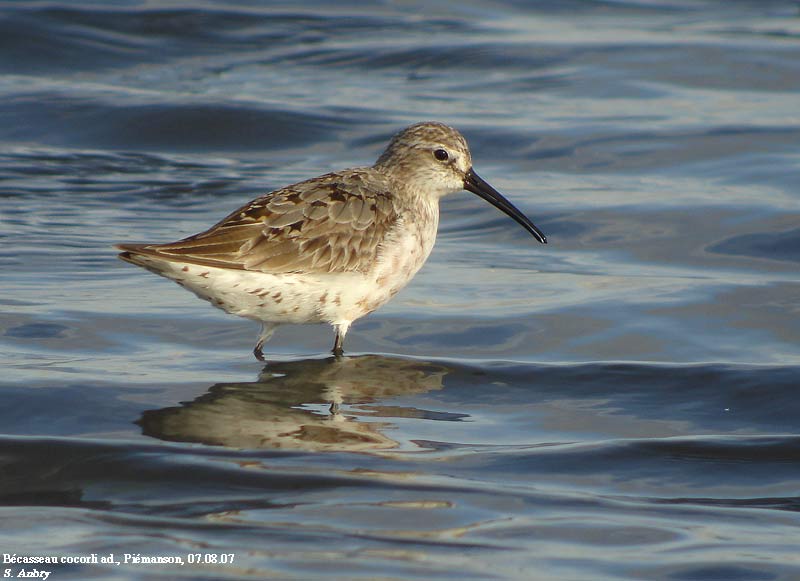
(333, 248)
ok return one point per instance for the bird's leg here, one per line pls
(337, 350)
(258, 351)
(267, 329)
(338, 344)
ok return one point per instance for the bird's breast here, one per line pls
(406, 249)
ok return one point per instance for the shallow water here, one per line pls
(618, 404)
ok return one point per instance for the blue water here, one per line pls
(619, 404)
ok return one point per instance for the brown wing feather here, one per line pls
(320, 225)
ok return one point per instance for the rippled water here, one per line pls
(619, 404)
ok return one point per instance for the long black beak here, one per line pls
(473, 183)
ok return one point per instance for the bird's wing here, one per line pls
(334, 223)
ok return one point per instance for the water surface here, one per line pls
(618, 404)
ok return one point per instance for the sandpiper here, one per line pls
(333, 248)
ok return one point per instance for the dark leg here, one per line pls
(267, 329)
(337, 350)
(258, 351)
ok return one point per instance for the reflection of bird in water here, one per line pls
(269, 413)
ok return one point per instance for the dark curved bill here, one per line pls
(473, 183)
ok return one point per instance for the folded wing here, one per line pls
(335, 223)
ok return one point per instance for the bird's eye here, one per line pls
(441, 155)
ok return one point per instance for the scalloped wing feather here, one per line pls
(334, 223)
